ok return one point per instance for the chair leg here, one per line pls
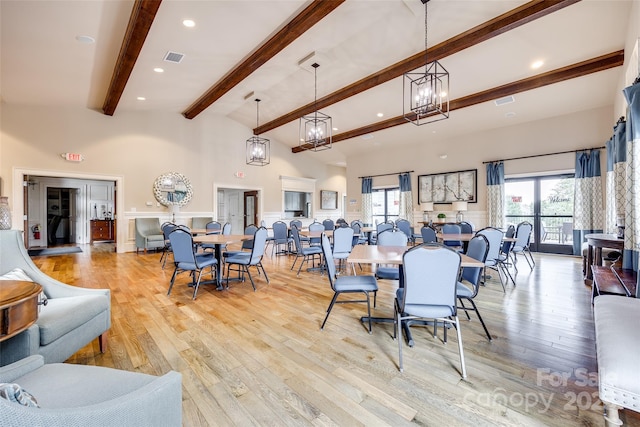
(333, 301)
(173, 278)
(475, 308)
(260, 266)
(246, 268)
(368, 311)
(398, 334)
(460, 348)
(195, 290)
(464, 308)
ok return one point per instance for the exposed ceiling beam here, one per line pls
(142, 16)
(306, 19)
(601, 63)
(492, 28)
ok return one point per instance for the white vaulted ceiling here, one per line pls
(42, 63)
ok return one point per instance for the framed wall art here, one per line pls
(448, 187)
(328, 199)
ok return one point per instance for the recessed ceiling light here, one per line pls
(85, 39)
(443, 156)
(158, 70)
(189, 23)
(380, 114)
(335, 128)
(510, 114)
(537, 64)
(141, 98)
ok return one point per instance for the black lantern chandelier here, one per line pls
(315, 128)
(258, 148)
(426, 95)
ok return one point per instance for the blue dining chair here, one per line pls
(477, 249)
(186, 259)
(346, 284)
(429, 292)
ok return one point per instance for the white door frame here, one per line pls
(18, 197)
(217, 187)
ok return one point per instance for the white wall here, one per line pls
(574, 131)
(135, 148)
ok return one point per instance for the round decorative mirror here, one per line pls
(172, 189)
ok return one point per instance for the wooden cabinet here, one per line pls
(102, 230)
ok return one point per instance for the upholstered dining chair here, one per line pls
(504, 257)
(429, 235)
(185, 259)
(342, 245)
(346, 284)
(244, 261)
(303, 239)
(329, 224)
(452, 229)
(478, 249)
(305, 252)
(280, 238)
(429, 292)
(315, 226)
(245, 246)
(494, 236)
(166, 228)
(390, 238)
(405, 226)
(521, 245)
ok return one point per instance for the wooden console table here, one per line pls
(18, 306)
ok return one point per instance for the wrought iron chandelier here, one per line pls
(258, 153)
(426, 95)
(315, 128)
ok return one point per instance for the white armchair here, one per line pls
(72, 318)
(77, 395)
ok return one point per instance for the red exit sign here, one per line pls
(73, 157)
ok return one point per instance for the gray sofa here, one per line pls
(72, 318)
(77, 395)
(148, 234)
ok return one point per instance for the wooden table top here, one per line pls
(315, 234)
(393, 255)
(18, 306)
(221, 239)
(196, 231)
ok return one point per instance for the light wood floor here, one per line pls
(259, 358)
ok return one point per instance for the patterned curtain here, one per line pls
(406, 198)
(367, 201)
(632, 199)
(587, 198)
(495, 194)
(616, 176)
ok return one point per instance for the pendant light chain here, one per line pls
(426, 60)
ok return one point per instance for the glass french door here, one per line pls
(386, 204)
(547, 203)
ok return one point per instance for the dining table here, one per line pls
(377, 254)
(220, 240)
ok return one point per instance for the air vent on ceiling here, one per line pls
(174, 57)
(506, 100)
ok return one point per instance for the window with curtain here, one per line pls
(386, 204)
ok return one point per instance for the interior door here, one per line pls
(235, 211)
(250, 208)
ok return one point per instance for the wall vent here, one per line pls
(174, 57)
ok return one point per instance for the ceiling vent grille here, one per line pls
(506, 100)
(174, 57)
